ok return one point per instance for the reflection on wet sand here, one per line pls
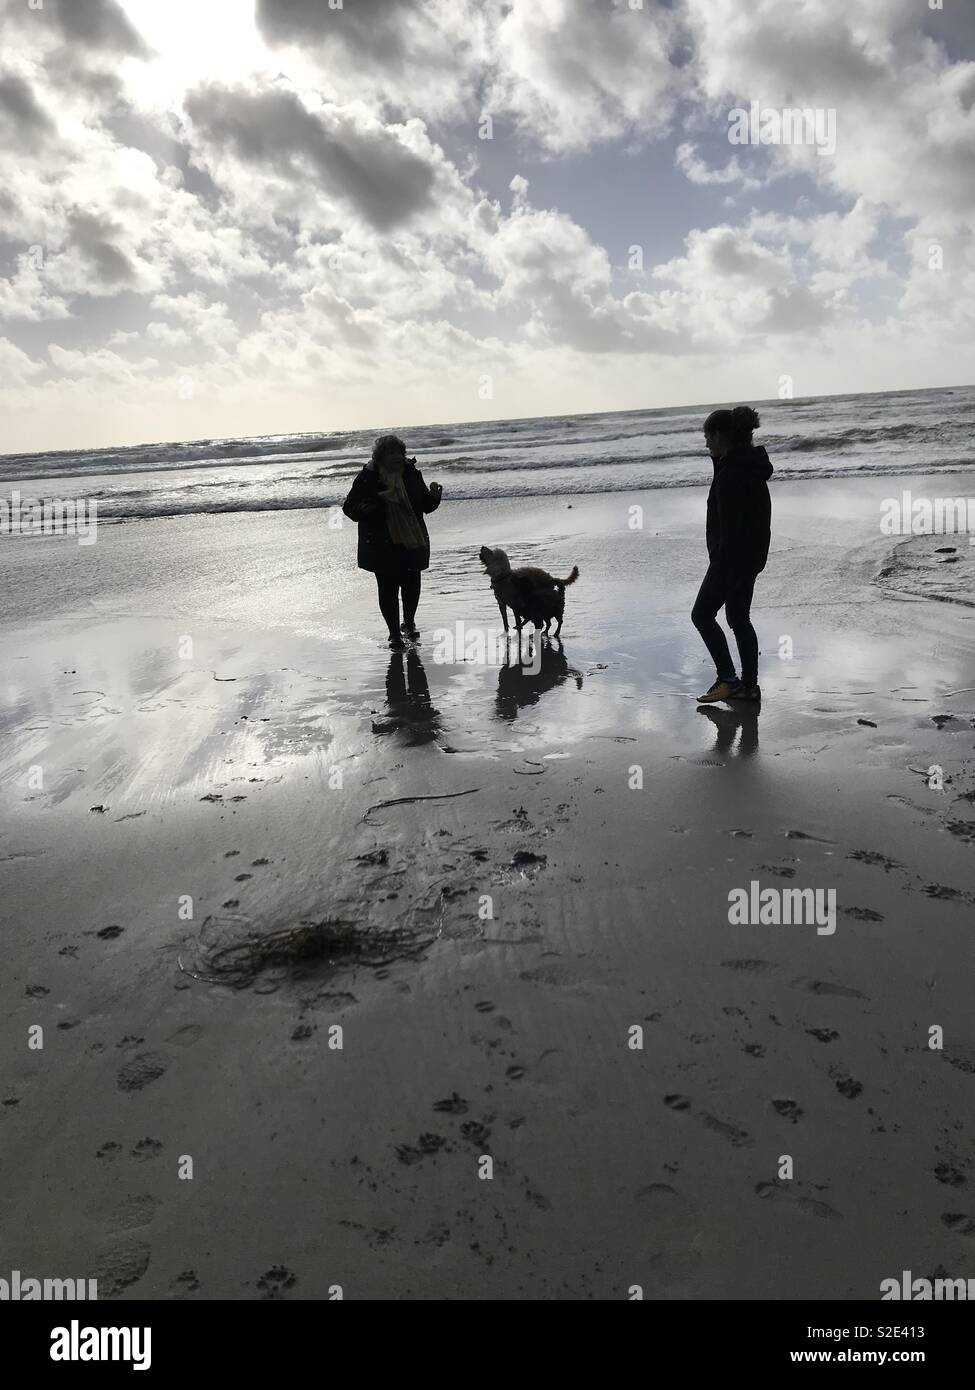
(727, 723)
(409, 711)
(524, 683)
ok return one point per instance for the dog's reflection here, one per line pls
(528, 672)
(409, 710)
(727, 723)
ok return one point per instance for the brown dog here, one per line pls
(532, 594)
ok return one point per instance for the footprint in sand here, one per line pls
(950, 1176)
(276, 1281)
(824, 987)
(750, 967)
(863, 914)
(732, 1133)
(788, 1109)
(675, 1102)
(845, 1084)
(146, 1148)
(453, 1105)
(823, 1035)
(121, 1266)
(476, 1133)
(808, 1206)
(184, 1284)
(674, 1225)
(426, 1145)
(959, 1222)
(134, 1212)
(868, 856)
(138, 1073)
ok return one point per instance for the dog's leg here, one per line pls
(504, 613)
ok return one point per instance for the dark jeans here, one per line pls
(735, 596)
(389, 586)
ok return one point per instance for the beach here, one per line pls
(538, 1061)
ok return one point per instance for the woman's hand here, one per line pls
(436, 490)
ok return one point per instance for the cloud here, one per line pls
(550, 268)
(208, 321)
(364, 27)
(418, 56)
(357, 159)
(100, 25)
(25, 296)
(16, 367)
(28, 124)
(99, 365)
(905, 112)
(575, 73)
(165, 335)
(95, 236)
(729, 285)
(698, 171)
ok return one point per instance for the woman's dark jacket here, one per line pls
(377, 552)
(740, 512)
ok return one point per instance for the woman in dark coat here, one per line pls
(388, 500)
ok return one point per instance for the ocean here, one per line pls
(885, 434)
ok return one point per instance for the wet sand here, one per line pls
(497, 944)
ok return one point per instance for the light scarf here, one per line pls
(401, 520)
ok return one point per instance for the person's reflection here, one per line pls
(409, 711)
(525, 676)
(727, 723)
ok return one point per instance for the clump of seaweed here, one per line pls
(230, 959)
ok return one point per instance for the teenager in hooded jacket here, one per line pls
(738, 537)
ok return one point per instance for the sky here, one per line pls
(239, 217)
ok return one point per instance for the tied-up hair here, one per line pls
(736, 425)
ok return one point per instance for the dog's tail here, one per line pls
(562, 583)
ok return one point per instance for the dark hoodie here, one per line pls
(740, 512)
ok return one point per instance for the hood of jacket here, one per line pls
(750, 458)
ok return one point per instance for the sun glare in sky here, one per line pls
(195, 41)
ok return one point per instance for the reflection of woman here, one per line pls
(388, 500)
(409, 709)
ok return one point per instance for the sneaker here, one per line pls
(721, 690)
(410, 630)
(748, 692)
